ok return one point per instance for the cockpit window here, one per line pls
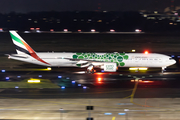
(170, 58)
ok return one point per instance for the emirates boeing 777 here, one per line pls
(107, 61)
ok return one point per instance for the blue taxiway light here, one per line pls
(73, 82)
(84, 87)
(16, 86)
(79, 84)
(3, 70)
(107, 113)
(7, 78)
(59, 76)
(63, 87)
(67, 78)
(102, 70)
(40, 76)
(18, 76)
(121, 113)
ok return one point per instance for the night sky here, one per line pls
(24, 6)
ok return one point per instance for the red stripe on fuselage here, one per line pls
(33, 54)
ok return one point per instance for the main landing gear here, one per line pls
(90, 69)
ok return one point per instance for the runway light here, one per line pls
(133, 68)
(143, 68)
(107, 113)
(112, 30)
(99, 79)
(132, 80)
(59, 76)
(121, 113)
(79, 30)
(33, 81)
(140, 80)
(65, 30)
(48, 68)
(138, 30)
(99, 73)
(136, 80)
(63, 87)
(18, 76)
(7, 78)
(52, 30)
(147, 81)
(93, 30)
(3, 71)
(133, 50)
(31, 28)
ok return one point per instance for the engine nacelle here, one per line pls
(82, 64)
(110, 67)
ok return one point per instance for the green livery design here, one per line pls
(107, 57)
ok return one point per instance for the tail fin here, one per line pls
(21, 46)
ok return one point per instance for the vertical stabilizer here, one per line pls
(21, 46)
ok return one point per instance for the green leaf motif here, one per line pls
(80, 57)
(119, 59)
(122, 53)
(126, 57)
(122, 64)
(78, 53)
(75, 56)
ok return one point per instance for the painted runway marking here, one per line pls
(113, 118)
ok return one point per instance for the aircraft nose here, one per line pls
(173, 61)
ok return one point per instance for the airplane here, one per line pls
(109, 62)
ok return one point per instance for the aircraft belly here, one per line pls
(61, 62)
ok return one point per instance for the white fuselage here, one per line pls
(66, 59)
